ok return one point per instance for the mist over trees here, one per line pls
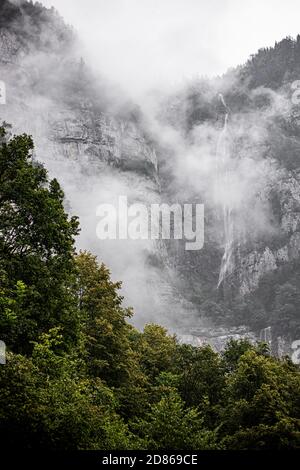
(260, 97)
(79, 376)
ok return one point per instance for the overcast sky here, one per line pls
(147, 43)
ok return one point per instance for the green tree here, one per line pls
(157, 350)
(169, 425)
(262, 394)
(202, 381)
(234, 350)
(108, 351)
(36, 249)
(47, 402)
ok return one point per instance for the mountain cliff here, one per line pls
(92, 138)
(100, 145)
(260, 288)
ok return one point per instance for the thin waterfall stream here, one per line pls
(223, 178)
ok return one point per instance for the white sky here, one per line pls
(148, 43)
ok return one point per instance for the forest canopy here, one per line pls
(78, 375)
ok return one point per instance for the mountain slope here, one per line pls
(261, 289)
(100, 146)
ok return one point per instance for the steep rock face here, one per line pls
(217, 338)
(9, 46)
(102, 137)
(72, 130)
(264, 149)
(257, 263)
(71, 134)
(97, 155)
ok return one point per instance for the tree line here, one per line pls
(79, 376)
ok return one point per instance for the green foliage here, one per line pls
(202, 377)
(55, 407)
(233, 351)
(36, 250)
(202, 381)
(107, 346)
(262, 394)
(157, 350)
(169, 425)
(79, 376)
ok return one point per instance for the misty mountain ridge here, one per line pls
(100, 145)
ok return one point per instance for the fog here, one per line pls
(150, 50)
(146, 44)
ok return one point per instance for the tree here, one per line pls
(36, 249)
(157, 350)
(202, 381)
(261, 395)
(106, 333)
(79, 376)
(47, 402)
(233, 352)
(169, 425)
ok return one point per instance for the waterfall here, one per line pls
(223, 185)
(266, 335)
